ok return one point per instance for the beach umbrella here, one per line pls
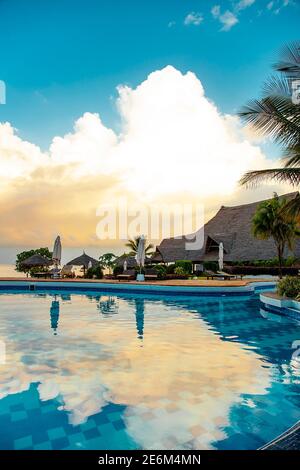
(36, 261)
(90, 264)
(56, 255)
(125, 265)
(140, 255)
(84, 261)
(139, 317)
(221, 256)
(54, 315)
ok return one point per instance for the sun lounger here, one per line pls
(226, 275)
(220, 275)
(230, 276)
(44, 275)
(127, 275)
(151, 275)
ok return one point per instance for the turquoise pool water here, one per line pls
(85, 371)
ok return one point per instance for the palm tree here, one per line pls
(270, 222)
(108, 261)
(277, 115)
(133, 245)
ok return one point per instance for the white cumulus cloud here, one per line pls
(174, 145)
(227, 19)
(194, 18)
(242, 4)
(230, 18)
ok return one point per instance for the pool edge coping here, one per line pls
(32, 285)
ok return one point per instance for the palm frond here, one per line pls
(291, 156)
(277, 85)
(275, 116)
(292, 208)
(290, 60)
(282, 175)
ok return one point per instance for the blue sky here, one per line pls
(60, 58)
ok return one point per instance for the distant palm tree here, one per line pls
(269, 222)
(134, 243)
(108, 261)
(277, 115)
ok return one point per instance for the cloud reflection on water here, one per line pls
(178, 388)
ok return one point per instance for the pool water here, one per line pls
(85, 371)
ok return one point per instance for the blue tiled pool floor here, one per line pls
(28, 423)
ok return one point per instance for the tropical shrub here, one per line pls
(171, 268)
(291, 261)
(185, 265)
(211, 266)
(289, 286)
(161, 271)
(118, 270)
(95, 272)
(179, 271)
(273, 262)
(107, 261)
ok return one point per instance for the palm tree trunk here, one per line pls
(280, 250)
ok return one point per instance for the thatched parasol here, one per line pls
(130, 260)
(84, 260)
(36, 261)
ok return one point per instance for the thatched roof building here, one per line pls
(84, 261)
(231, 226)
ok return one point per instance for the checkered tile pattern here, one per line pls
(28, 423)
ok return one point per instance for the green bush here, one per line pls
(118, 270)
(268, 263)
(94, 272)
(171, 268)
(185, 265)
(289, 286)
(37, 269)
(211, 266)
(290, 261)
(161, 271)
(179, 271)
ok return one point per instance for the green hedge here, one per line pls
(273, 262)
(289, 287)
(211, 266)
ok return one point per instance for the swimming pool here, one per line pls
(129, 371)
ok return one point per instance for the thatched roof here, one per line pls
(131, 261)
(231, 226)
(36, 261)
(83, 260)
